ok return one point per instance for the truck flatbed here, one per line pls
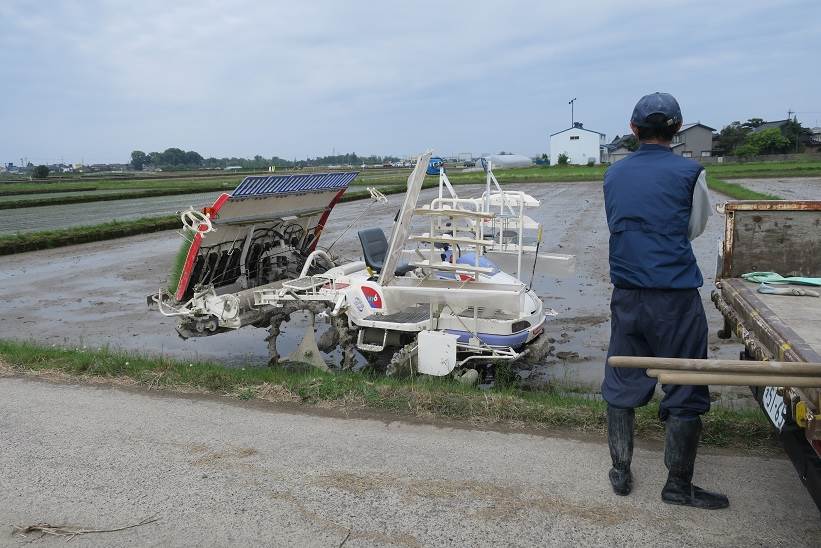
(788, 326)
(781, 237)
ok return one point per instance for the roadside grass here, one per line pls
(199, 183)
(203, 182)
(47, 239)
(420, 397)
(38, 189)
(192, 184)
(737, 191)
(536, 174)
(806, 168)
(82, 197)
(167, 186)
(32, 241)
(22, 242)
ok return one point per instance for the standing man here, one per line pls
(656, 203)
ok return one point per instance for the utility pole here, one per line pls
(797, 134)
(572, 117)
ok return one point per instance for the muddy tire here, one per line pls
(404, 362)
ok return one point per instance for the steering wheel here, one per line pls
(196, 221)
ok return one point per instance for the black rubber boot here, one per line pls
(680, 458)
(620, 440)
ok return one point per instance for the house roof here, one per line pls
(617, 143)
(686, 127)
(577, 127)
(770, 125)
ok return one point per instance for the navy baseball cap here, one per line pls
(656, 103)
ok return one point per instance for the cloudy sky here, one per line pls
(94, 80)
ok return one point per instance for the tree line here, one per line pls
(741, 139)
(176, 158)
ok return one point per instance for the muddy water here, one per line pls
(94, 295)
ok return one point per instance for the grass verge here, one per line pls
(424, 397)
(37, 191)
(737, 191)
(21, 242)
(81, 198)
(186, 184)
(33, 241)
(810, 168)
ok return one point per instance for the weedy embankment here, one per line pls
(419, 397)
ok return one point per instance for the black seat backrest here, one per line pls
(374, 247)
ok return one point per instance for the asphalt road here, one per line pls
(218, 473)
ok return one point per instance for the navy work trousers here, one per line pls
(665, 323)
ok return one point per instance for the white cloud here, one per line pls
(240, 77)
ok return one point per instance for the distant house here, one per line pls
(616, 149)
(813, 144)
(779, 124)
(693, 141)
(809, 139)
(582, 146)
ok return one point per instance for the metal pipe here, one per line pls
(310, 261)
(718, 366)
(732, 379)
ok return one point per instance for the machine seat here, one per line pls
(374, 247)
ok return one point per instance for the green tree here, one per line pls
(745, 151)
(769, 141)
(732, 136)
(631, 143)
(172, 157)
(193, 159)
(796, 134)
(563, 159)
(138, 159)
(40, 172)
(753, 123)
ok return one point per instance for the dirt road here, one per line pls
(218, 473)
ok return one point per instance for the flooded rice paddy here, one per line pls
(94, 295)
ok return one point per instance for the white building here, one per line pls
(582, 146)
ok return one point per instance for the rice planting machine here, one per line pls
(442, 293)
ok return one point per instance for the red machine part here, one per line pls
(185, 277)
